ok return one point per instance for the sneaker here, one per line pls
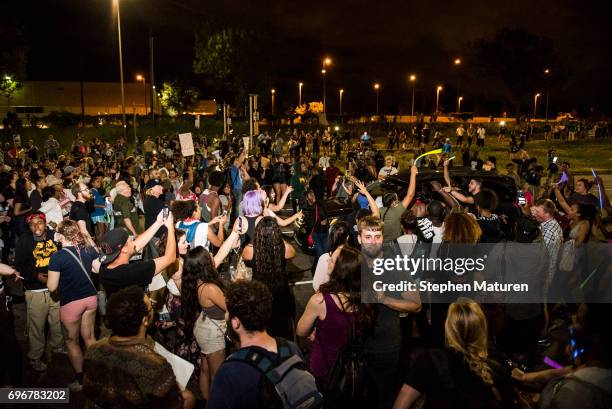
(60, 350)
(38, 365)
(75, 386)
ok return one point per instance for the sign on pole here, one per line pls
(186, 141)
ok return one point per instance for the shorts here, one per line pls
(210, 334)
(73, 311)
(98, 219)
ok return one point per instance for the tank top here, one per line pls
(215, 312)
(332, 334)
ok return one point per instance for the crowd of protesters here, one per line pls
(89, 232)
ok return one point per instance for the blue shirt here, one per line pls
(235, 176)
(73, 284)
(98, 200)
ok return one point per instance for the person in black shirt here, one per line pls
(118, 247)
(462, 375)
(153, 205)
(79, 211)
(36, 195)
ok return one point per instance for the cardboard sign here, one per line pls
(247, 143)
(186, 141)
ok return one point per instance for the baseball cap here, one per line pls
(112, 243)
(152, 183)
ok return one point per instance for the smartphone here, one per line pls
(165, 213)
(240, 224)
(224, 213)
(555, 159)
(521, 198)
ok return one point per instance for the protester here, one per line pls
(69, 274)
(33, 252)
(238, 384)
(338, 237)
(124, 370)
(462, 374)
(116, 271)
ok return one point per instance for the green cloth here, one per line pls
(392, 219)
(125, 209)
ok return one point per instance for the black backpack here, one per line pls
(285, 382)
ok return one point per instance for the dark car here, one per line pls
(503, 186)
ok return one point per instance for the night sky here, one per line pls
(369, 42)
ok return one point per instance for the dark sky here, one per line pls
(368, 41)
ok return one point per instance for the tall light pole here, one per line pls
(547, 74)
(144, 87)
(438, 89)
(326, 62)
(273, 93)
(413, 80)
(341, 92)
(123, 122)
(535, 104)
(377, 89)
(459, 104)
(457, 64)
(300, 85)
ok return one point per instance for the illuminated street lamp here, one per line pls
(547, 74)
(459, 104)
(123, 122)
(438, 89)
(273, 93)
(326, 62)
(139, 78)
(535, 104)
(341, 93)
(377, 89)
(413, 80)
(300, 85)
(457, 61)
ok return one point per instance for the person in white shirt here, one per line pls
(51, 207)
(388, 169)
(408, 240)
(338, 237)
(460, 132)
(480, 135)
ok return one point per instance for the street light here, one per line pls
(459, 104)
(377, 89)
(341, 92)
(123, 122)
(535, 104)
(438, 89)
(326, 62)
(144, 86)
(547, 74)
(413, 80)
(457, 61)
(300, 85)
(273, 92)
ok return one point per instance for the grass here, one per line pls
(582, 154)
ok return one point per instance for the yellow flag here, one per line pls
(434, 152)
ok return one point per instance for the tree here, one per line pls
(516, 57)
(231, 60)
(176, 98)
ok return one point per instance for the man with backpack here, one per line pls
(265, 372)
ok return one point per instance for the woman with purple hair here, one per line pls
(252, 207)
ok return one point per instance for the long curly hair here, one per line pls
(466, 332)
(269, 250)
(345, 279)
(198, 269)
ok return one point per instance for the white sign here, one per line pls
(247, 143)
(186, 144)
(182, 369)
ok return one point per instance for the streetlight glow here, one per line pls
(327, 61)
(547, 71)
(340, 92)
(535, 104)
(323, 71)
(438, 89)
(376, 86)
(300, 85)
(139, 77)
(413, 78)
(7, 77)
(459, 104)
